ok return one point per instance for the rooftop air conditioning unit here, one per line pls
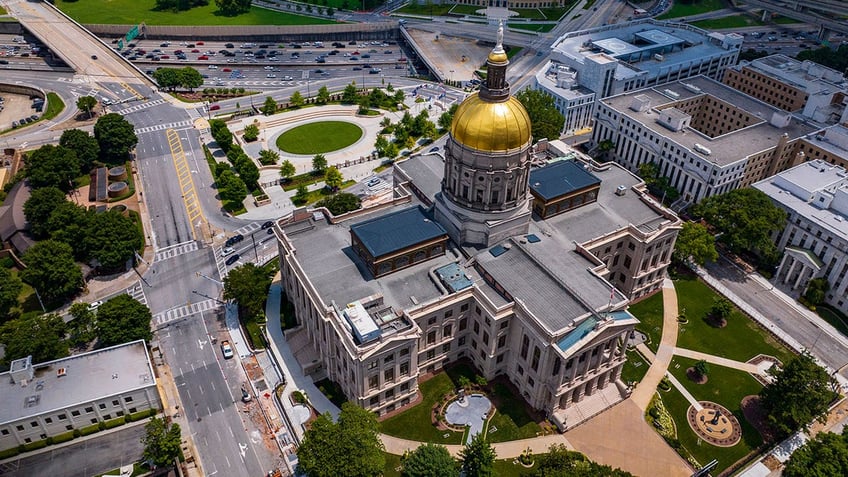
(620, 190)
(702, 149)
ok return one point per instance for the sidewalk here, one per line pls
(645, 389)
(727, 363)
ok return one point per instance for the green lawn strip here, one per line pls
(426, 10)
(634, 368)
(392, 464)
(132, 12)
(254, 334)
(736, 21)
(414, 423)
(510, 468)
(834, 317)
(511, 418)
(136, 218)
(784, 20)
(588, 4)
(726, 386)
(530, 13)
(650, 314)
(467, 9)
(55, 105)
(333, 391)
(555, 13)
(539, 27)
(740, 340)
(684, 10)
(319, 137)
(318, 194)
(2, 10)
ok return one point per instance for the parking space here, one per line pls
(16, 109)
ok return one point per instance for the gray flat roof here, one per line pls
(428, 170)
(560, 178)
(725, 149)
(796, 73)
(340, 276)
(396, 231)
(88, 377)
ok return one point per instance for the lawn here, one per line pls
(834, 317)
(634, 368)
(431, 10)
(740, 340)
(736, 21)
(319, 137)
(414, 423)
(55, 105)
(538, 27)
(650, 314)
(131, 12)
(511, 420)
(684, 10)
(727, 387)
(2, 10)
(467, 9)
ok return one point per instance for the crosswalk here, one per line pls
(161, 127)
(181, 312)
(248, 229)
(176, 250)
(137, 292)
(140, 106)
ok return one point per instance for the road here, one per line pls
(101, 452)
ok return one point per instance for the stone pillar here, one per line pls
(801, 275)
(791, 271)
(780, 267)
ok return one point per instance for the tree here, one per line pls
(559, 461)
(247, 170)
(323, 95)
(87, 104)
(301, 195)
(341, 203)
(10, 288)
(287, 169)
(221, 134)
(82, 329)
(232, 8)
(162, 442)
(817, 289)
(349, 447)
(799, 394)
(41, 336)
(349, 94)
(478, 457)
(112, 240)
(38, 208)
(52, 166)
(825, 455)
(269, 107)
(429, 460)
(319, 164)
(123, 319)
(297, 99)
(251, 132)
(189, 78)
(836, 59)
(745, 220)
(230, 187)
(721, 309)
(70, 223)
(248, 285)
(333, 178)
(51, 270)
(695, 242)
(546, 121)
(116, 137)
(268, 157)
(167, 78)
(84, 146)
(702, 369)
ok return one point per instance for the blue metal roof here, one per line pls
(578, 334)
(560, 178)
(453, 277)
(396, 231)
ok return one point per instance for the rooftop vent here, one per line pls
(702, 149)
(620, 190)
(692, 88)
(671, 94)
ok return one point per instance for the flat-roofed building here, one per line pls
(41, 400)
(814, 240)
(589, 65)
(807, 88)
(705, 137)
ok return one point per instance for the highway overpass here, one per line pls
(803, 10)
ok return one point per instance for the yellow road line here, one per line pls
(189, 194)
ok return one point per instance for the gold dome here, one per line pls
(491, 126)
(497, 56)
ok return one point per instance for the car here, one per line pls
(190, 45)
(287, 78)
(366, 56)
(203, 57)
(320, 60)
(95, 305)
(214, 107)
(367, 65)
(212, 67)
(234, 240)
(374, 182)
(270, 231)
(319, 71)
(268, 224)
(165, 57)
(270, 75)
(352, 42)
(195, 51)
(268, 68)
(178, 52)
(354, 58)
(229, 45)
(226, 349)
(355, 53)
(15, 124)
(165, 45)
(434, 149)
(155, 58)
(34, 117)
(93, 57)
(233, 259)
(199, 43)
(4, 62)
(227, 251)
(357, 68)
(227, 70)
(374, 71)
(245, 396)
(387, 52)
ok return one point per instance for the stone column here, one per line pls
(801, 275)
(791, 270)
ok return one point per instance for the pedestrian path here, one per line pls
(137, 292)
(644, 391)
(247, 229)
(185, 124)
(728, 363)
(175, 314)
(176, 250)
(140, 106)
(680, 387)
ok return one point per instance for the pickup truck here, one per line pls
(226, 349)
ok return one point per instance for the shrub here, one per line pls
(64, 437)
(101, 426)
(77, 433)
(299, 397)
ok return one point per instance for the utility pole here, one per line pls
(217, 282)
(255, 253)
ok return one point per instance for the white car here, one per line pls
(95, 305)
(269, 68)
(227, 251)
(287, 78)
(270, 75)
(212, 67)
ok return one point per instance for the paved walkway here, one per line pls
(645, 389)
(685, 392)
(728, 363)
(504, 450)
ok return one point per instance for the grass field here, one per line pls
(319, 137)
(685, 10)
(55, 105)
(834, 317)
(2, 10)
(650, 314)
(130, 12)
(736, 21)
(538, 27)
(511, 419)
(414, 423)
(502, 467)
(634, 369)
(426, 10)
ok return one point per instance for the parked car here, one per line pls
(233, 259)
(214, 107)
(268, 224)
(227, 251)
(234, 239)
(226, 349)
(95, 305)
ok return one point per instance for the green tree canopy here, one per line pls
(836, 59)
(478, 458)
(123, 319)
(162, 441)
(301, 195)
(349, 94)
(323, 95)
(38, 208)
(232, 8)
(113, 239)
(799, 394)
(351, 446)
(52, 166)
(52, 271)
(816, 291)
(340, 203)
(429, 460)
(10, 288)
(84, 146)
(297, 99)
(116, 137)
(167, 78)
(722, 308)
(319, 163)
(268, 157)
(41, 336)
(696, 242)
(251, 132)
(561, 462)
(82, 329)
(248, 285)
(221, 134)
(269, 107)
(247, 170)
(87, 104)
(189, 78)
(70, 223)
(287, 169)
(825, 455)
(333, 178)
(546, 121)
(745, 219)
(230, 187)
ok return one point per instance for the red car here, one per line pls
(355, 53)
(227, 70)
(214, 107)
(204, 57)
(165, 57)
(199, 43)
(195, 51)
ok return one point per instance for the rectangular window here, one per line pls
(5, 432)
(525, 344)
(486, 338)
(463, 324)
(389, 358)
(503, 324)
(390, 393)
(501, 341)
(75, 413)
(531, 381)
(115, 402)
(520, 371)
(404, 387)
(473, 344)
(462, 341)
(476, 327)
(389, 375)
(62, 417)
(373, 382)
(536, 354)
(500, 359)
(33, 424)
(89, 410)
(477, 310)
(374, 401)
(431, 337)
(128, 399)
(447, 331)
(448, 314)
(19, 427)
(463, 308)
(431, 354)
(372, 364)
(432, 320)
(446, 347)
(404, 368)
(404, 352)
(48, 420)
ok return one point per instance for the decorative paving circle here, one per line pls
(714, 424)
(471, 411)
(319, 137)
